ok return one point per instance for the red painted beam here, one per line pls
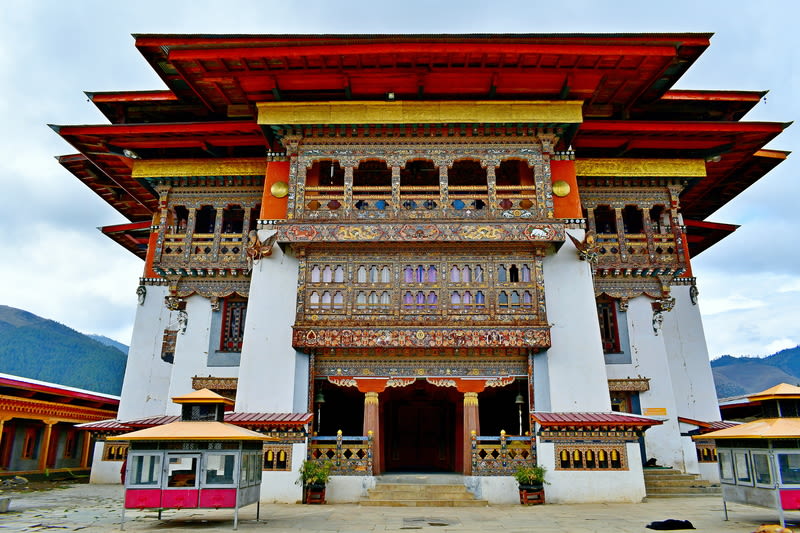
(717, 226)
(715, 96)
(680, 127)
(132, 96)
(424, 48)
(169, 128)
(126, 227)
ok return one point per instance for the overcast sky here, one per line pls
(56, 264)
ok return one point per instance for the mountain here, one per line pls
(109, 342)
(37, 348)
(736, 376)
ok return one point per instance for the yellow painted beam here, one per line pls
(666, 168)
(163, 168)
(407, 112)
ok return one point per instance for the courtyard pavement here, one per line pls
(97, 508)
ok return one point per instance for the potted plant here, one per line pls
(314, 475)
(531, 483)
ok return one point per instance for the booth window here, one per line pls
(725, 465)
(789, 463)
(742, 465)
(145, 470)
(761, 469)
(182, 471)
(220, 468)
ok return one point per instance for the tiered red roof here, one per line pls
(214, 81)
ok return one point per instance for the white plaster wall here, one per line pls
(575, 366)
(282, 487)
(104, 472)
(145, 389)
(649, 359)
(191, 352)
(592, 486)
(685, 341)
(267, 374)
(709, 471)
(690, 463)
(348, 489)
(497, 490)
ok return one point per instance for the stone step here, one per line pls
(424, 503)
(692, 482)
(694, 491)
(421, 490)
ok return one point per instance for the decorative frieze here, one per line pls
(399, 367)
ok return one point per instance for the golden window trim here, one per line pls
(620, 448)
(639, 384)
(115, 451)
(276, 449)
(213, 383)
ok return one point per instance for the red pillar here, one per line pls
(371, 387)
(470, 388)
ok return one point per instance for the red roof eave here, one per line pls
(132, 96)
(714, 96)
(19, 384)
(592, 420)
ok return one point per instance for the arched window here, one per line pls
(408, 274)
(480, 299)
(420, 298)
(313, 301)
(466, 274)
(386, 275)
(615, 459)
(527, 299)
(577, 459)
(315, 274)
(455, 300)
(338, 301)
(564, 458)
(514, 299)
(326, 300)
(432, 274)
(526, 274)
(361, 274)
(478, 274)
(455, 274)
(385, 300)
(327, 274)
(590, 463)
(373, 274)
(408, 300)
(361, 300)
(501, 274)
(421, 274)
(373, 299)
(338, 274)
(502, 299)
(602, 459)
(431, 300)
(513, 274)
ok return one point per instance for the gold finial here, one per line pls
(339, 433)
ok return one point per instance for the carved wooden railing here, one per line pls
(349, 456)
(202, 249)
(417, 201)
(637, 250)
(501, 455)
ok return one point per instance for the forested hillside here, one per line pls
(37, 348)
(735, 376)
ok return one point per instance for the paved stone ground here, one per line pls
(97, 508)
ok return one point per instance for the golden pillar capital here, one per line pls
(470, 399)
(371, 398)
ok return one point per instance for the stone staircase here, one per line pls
(669, 483)
(421, 490)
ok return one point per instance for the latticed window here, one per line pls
(168, 345)
(113, 451)
(591, 457)
(277, 458)
(234, 312)
(609, 329)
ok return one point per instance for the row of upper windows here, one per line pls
(335, 300)
(418, 173)
(421, 274)
(604, 218)
(205, 219)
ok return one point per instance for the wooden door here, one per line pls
(420, 436)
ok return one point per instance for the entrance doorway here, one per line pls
(422, 429)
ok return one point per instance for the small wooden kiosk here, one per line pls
(759, 461)
(199, 462)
